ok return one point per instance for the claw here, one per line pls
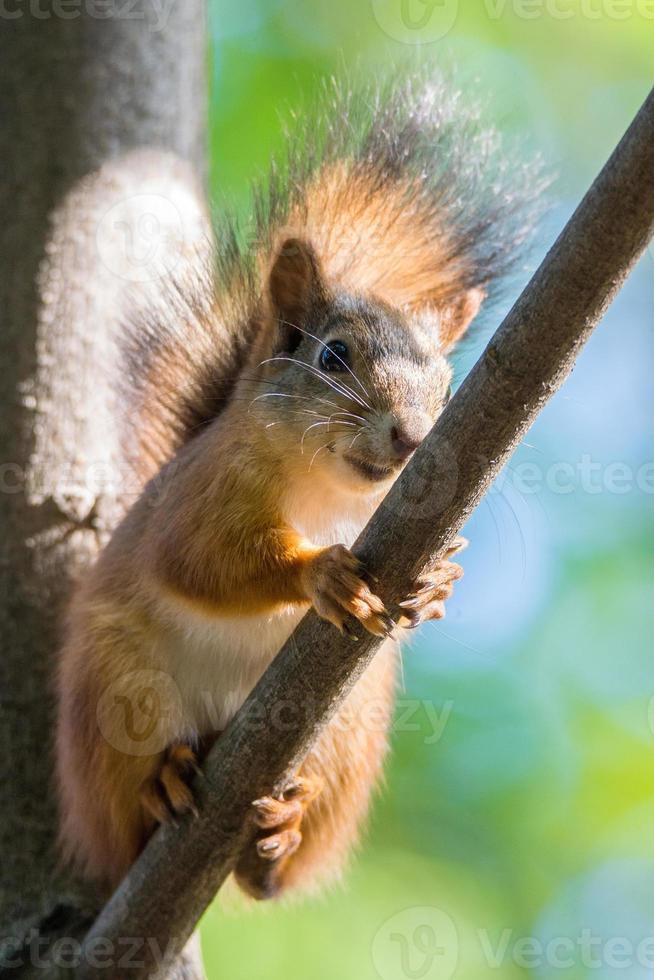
(367, 575)
(167, 795)
(458, 544)
(390, 624)
(383, 625)
(411, 603)
(431, 589)
(306, 788)
(349, 631)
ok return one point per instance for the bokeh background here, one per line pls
(515, 836)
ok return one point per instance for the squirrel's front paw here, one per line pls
(427, 600)
(334, 582)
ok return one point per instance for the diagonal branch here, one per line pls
(526, 361)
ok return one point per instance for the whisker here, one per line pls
(279, 394)
(315, 425)
(273, 394)
(351, 415)
(270, 394)
(314, 415)
(308, 428)
(305, 411)
(305, 398)
(338, 386)
(354, 440)
(318, 450)
(327, 347)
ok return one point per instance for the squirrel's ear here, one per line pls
(457, 317)
(295, 285)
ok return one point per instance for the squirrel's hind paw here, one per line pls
(287, 809)
(167, 793)
(260, 870)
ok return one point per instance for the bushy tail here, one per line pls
(402, 191)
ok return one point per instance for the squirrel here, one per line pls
(277, 397)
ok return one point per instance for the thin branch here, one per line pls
(529, 357)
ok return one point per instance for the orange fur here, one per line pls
(249, 522)
(347, 763)
(378, 239)
(245, 565)
(383, 234)
(217, 561)
(404, 192)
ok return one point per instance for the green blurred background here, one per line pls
(515, 836)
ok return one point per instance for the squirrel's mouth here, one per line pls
(372, 471)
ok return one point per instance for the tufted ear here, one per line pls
(295, 286)
(457, 317)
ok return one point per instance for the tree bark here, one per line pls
(102, 128)
(524, 364)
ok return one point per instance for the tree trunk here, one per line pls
(102, 134)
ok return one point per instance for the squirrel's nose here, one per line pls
(404, 441)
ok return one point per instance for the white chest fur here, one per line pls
(216, 660)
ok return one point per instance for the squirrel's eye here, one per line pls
(334, 356)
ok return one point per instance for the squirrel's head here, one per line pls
(348, 384)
